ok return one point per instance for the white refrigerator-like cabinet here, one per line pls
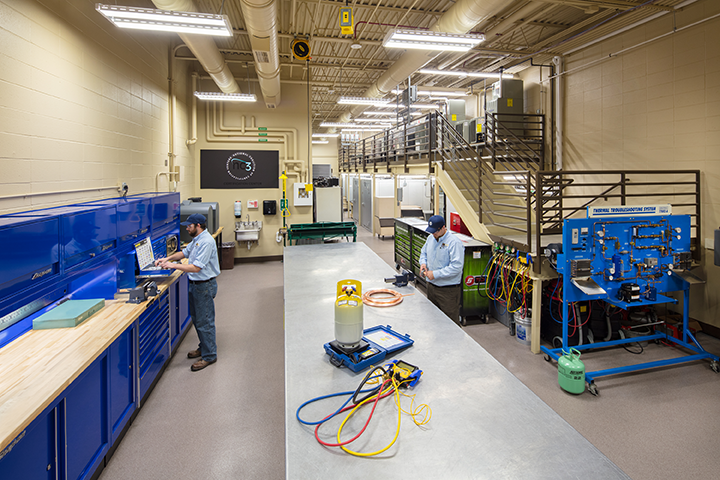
(328, 204)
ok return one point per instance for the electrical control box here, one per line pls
(627, 259)
(302, 194)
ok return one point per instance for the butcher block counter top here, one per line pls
(38, 366)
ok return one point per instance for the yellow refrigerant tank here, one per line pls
(349, 313)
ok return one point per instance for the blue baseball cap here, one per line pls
(435, 223)
(196, 218)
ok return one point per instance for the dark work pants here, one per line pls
(202, 311)
(446, 299)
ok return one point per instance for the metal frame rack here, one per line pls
(605, 256)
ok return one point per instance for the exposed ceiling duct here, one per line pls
(260, 18)
(460, 18)
(204, 48)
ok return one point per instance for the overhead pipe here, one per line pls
(204, 48)
(261, 22)
(460, 18)
(559, 114)
(524, 14)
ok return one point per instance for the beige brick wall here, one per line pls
(83, 105)
(654, 107)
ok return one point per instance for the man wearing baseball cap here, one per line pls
(441, 263)
(202, 268)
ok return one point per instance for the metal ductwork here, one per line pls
(204, 48)
(460, 18)
(261, 23)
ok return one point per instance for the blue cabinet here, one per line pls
(29, 253)
(32, 455)
(86, 420)
(153, 341)
(179, 310)
(121, 362)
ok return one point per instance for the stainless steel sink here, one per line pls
(248, 231)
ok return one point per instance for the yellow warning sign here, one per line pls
(510, 102)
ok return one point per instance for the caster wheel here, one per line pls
(546, 357)
(484, 318)
(715, 367)
(463, 321)
(592, 388)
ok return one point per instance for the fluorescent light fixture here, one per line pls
(336, 124)
(226, 97)
(381, 122)
(320, 142)
(429, 40)
(369, 112)
(362, 101)
(457, 73)
(166, 20)
(431, 93)
(323, 135)
(347, 130)
(370, 127)
(414, 106)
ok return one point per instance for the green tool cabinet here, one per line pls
(410, 236)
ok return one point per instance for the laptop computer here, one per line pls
(146, 260)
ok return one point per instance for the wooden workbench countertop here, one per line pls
(38, 366)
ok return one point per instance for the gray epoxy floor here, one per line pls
(227, 421)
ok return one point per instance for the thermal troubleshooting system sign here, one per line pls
(239, 169)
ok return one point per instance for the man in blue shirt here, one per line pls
(441, 263)
(202, 268)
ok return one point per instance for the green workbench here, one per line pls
(321, 231)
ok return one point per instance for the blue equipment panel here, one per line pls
(627, 261)
(29, 253)
(637, 251)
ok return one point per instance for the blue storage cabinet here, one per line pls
(32, 455)
(123, 381)
(88, 233)
(28, 252)
(165, 207)
(153, 341)
(133, 217)
(50, 253)
(179, 311)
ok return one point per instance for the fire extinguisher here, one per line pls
(571, 372)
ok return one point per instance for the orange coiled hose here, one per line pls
(390, 298)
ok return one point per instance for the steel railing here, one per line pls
(504, 181)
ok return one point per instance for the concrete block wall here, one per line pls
(654, 107)
(83, 106)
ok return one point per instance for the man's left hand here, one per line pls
(429, 275)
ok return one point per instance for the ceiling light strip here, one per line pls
(166, 20)
(362, 101)
(226, 97)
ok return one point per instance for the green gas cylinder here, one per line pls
(571, 372)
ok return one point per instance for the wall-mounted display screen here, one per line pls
(239, 169)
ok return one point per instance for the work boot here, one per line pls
(200, 364)
(194, 353)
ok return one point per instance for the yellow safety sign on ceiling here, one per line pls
(346, 21)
